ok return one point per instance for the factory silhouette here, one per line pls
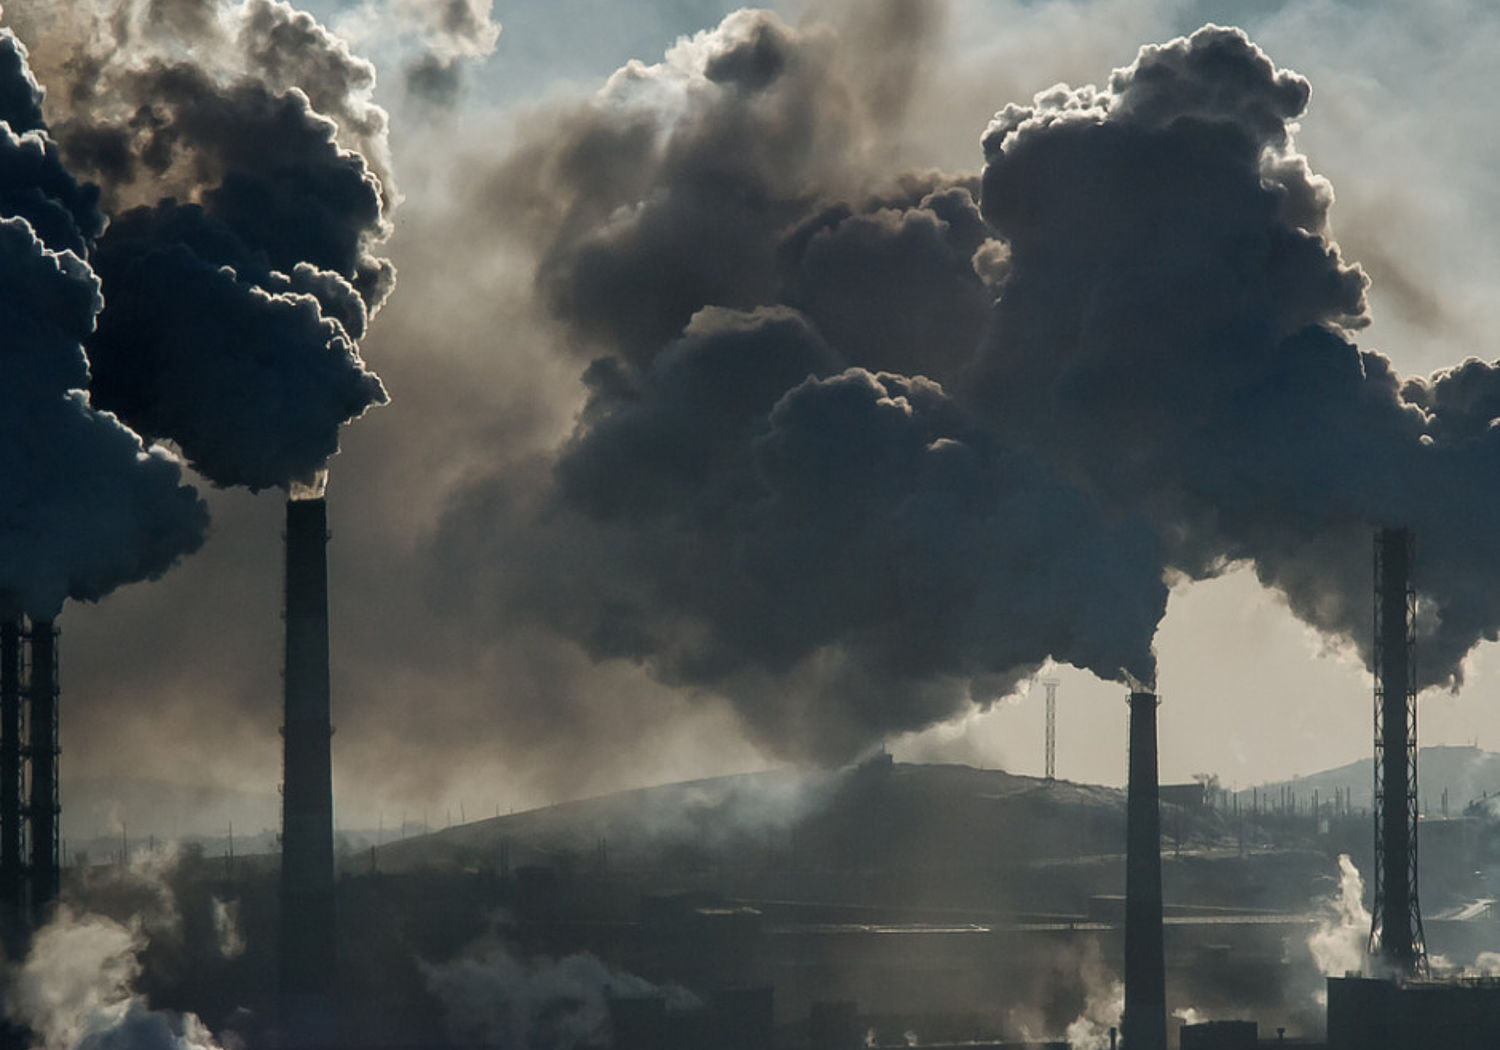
(687, 970)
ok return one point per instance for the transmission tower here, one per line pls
(1051, 767)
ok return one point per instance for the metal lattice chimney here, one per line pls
(1144, 1026)
(1396, 930)
(308, 949)
(12, 840)
(42, 752)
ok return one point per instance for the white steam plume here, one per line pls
(1339, 943)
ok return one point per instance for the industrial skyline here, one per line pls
(1215, 638)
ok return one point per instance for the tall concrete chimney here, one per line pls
(1397, 919)
(12, 861)
(308, 957)
(1144, 1026)
(42, 750)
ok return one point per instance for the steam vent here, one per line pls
(308, 955)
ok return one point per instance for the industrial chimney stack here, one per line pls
(1396, 932)
(42, 751)
(1144, 1026)
(12, 841)
(308, 957)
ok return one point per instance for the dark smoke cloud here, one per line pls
(1175, 332)
(233, 307)
(252, 384)
(777, 506)
(20, 94)
(859, 452)
(85, 506)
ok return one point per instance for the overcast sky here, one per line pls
(441, 699)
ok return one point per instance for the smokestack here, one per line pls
(308, 950)
(42, 751)
(11, 838)
(1397, 920)
(1144, 1026)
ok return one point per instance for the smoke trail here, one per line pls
(233, 304)
(85, 506)
(1339, 944)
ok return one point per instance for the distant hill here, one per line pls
(1465, 773)
(878, 807)
(95, 809)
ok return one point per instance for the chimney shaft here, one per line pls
(308, 949)
(42, 750)
(1397, 918)
(12, 862)
(1144, 1026)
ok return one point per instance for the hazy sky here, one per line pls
(437, 704)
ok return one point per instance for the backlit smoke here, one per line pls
(238, 268)
(1340, 943)
(74, 991)
(771, 494)
(1104, 1004)
(84, 506)
(860, 451)
(1174, 333)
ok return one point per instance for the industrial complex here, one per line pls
(863, 923)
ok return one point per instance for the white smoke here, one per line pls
(1339, 944)
(1486, 964)
(1189, 1015)
(1103, 1005)
(227, 928)
(74, 991)
(495, 998)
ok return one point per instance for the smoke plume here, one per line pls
(770, 493)
(73, 992)
(86, 507)
(862, 448)
(1174, 332)
(238, 270)
(1339, 945)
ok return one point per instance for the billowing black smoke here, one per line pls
(771, 495)
(84, 506)
(238, 268)
(858, 452)
(1174, 333)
